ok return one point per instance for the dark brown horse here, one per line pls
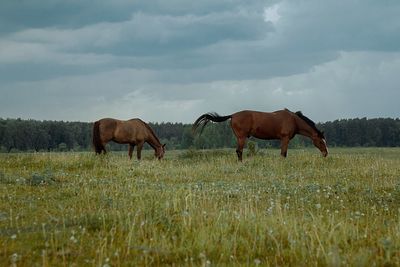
(134, 132)
(281, 124)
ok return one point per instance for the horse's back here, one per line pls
(131, 131)
(108, 122)
(264, 125)
(259, 117)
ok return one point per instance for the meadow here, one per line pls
(201, 208)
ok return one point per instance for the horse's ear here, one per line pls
(164, 145)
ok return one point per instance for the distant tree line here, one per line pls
(32, 135)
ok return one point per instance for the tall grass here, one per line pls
(201, 208)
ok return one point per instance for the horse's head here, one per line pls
(160, 151)
(320, 142)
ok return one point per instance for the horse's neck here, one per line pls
(153, 141)
(304, 129)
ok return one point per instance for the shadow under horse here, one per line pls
(281, 124)
(134, 132)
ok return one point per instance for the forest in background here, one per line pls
(17, 135)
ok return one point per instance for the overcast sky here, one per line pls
(174, 60)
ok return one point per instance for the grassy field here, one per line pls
(201, 208)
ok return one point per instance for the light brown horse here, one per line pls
(281, 124)
(134, 132)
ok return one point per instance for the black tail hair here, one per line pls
(98, 147)
(206, 118)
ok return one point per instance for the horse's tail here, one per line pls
(206, 118)
(98, 147)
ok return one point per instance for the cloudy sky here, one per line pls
(173, 60)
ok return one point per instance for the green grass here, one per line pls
(201, 208)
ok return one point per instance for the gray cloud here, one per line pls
(19, 15)
(156, 59)
(340, 25)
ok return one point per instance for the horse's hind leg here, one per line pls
(240, 145)
(103, 148)
(99, 148)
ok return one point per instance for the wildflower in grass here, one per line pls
(357, 215)
(386, 208)
(14, 258)
(318, 206)
(202, 255)
(14, 236)
(73, 239)
(269, 210)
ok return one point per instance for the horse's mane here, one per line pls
(310, 123)
(151, 131)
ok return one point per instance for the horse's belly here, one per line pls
(265, 136)
(265, 133)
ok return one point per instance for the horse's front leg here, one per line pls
(139, 150)
(131, 147)
(284, 146)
